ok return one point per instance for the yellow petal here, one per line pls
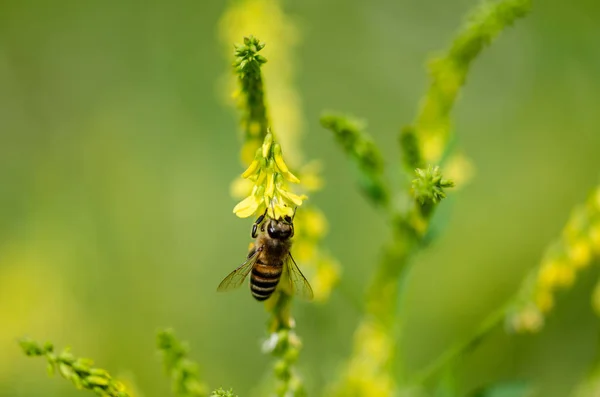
(282, 210)
(270, 184)
(266, 147)
(251, 169)
(291, 177)
(247, 207)
(276, 212)
(260, 180)
(279, 159)
(294, 198)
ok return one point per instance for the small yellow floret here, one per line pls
(555, 274)
(530, 319)
(269, 173)
(247, 207)
(544, 301)
(594, 235)
(327, 276)
(580, 253)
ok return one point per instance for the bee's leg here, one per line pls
(255, 226)
(252, 250)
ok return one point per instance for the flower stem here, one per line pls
(284, 345)
(183, 372)
(80, 371)
(255, 123)
(360, 147)
(421, 144)
(425, 141)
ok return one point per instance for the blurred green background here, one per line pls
(117, 151)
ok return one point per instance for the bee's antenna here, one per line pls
(294, 214)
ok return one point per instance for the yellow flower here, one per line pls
(579, 243)
(531, 320)
(281, 166)
(527, 319)
(544, 301)
(315, 224)
(326, 277)
(580, 253)
(433, 144)
(459, 169)
(270, 174)
(249, 206)
(310, 175)
(368, 373)
(594, 235)
(555, 274)
(565, 276)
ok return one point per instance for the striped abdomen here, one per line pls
(264, 279)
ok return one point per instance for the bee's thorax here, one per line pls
(273, 250)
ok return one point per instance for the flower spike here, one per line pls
(270, 175)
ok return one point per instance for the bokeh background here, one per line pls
(117, 150)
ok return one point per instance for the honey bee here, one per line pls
(270, 260)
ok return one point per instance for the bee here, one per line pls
(270, 261)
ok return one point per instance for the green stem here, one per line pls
(79, 371)
(284, 345)
(247, 66)
(184, 373)
(426, 139)
(361, 148)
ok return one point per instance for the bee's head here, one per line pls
(280, 229)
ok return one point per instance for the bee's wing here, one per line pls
(297, 282)
(237, 277)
